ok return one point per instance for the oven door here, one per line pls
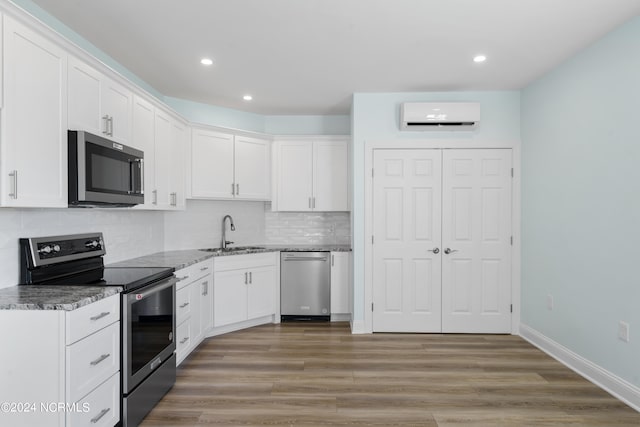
(106, 172)
(148, 330)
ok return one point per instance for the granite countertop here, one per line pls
(183, 258)
(53, 297)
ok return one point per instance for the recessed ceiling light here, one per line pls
(479, 58)
(247, 97)
(206, 61)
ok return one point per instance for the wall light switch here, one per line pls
(623, 331)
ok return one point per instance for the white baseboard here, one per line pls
(242, 325)
(340, 317)
(357, 327)
(613, 384)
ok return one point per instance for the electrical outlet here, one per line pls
(623, 331)
(549, 302)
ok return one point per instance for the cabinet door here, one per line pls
(330, 180)
(179, 139)
(261, 292)
(211, 164)
(340, 282)
(206, 303)
(294, 175)
(251, 170)
(84, 98)
(34, 120)
(163, 150)
(196, 309)
(230, 297)
(142, 138)
(116, 103)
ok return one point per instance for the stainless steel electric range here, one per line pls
(148, 317)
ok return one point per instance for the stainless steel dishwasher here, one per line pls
(305, 286)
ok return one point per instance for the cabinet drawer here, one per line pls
(183, 341)
(92, 360)
(193, 272)
(102, 404)
(237, 262)
(183, 304)
(93, 317)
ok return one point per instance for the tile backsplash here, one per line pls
(307, 228)
(131, 233)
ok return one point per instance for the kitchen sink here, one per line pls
(233, 249)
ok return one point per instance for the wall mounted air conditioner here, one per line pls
(439, 115)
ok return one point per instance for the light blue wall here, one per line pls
(217, 116)
(581, 202)
(272, 125)
(376, 117)
(308, 125)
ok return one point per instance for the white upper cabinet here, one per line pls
(164, 142)
(211, 164)
(33, 158)
(311, 175)
(98, 104)
(251, 168)
(224, 166)
(179, 147)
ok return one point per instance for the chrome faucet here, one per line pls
(226, 242)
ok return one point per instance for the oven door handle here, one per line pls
(152, 289)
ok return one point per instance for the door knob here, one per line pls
(435, 250)
(450, 251)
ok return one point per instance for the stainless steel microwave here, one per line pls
(103, 172)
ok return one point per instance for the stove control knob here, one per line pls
(92, 244)
(56, 248)
(47, 249)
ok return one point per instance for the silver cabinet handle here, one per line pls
(309, 202)
(237, 189)
(332, 260)
(155, 197)
(100, 359)
(100, 316)
(250, 277)
(435, 250)
(184, 340)
(205, 289)
(314, 202)
(106, 124)
(100, 415)
(184, 305)
(180, 279)
(172, 198)
(14, 174)
(111, 126)
(246, 278)
(233, 189)
(204, 268)
(450, 251)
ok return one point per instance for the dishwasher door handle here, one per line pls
(307, 259)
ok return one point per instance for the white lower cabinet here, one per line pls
(340, 283)
(194, 302)
(245, 288)
(54, 375)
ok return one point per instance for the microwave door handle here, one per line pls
(131, 183)
(141, 163)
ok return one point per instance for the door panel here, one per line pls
(407, 216)
(476, 225)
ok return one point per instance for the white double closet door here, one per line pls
(442, 240)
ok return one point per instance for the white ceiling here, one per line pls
(310, 56)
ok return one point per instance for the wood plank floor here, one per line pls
(306, 374)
